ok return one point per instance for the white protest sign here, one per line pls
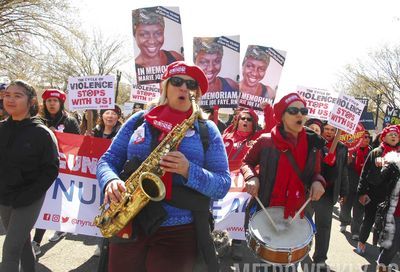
(346, 113)
(318, 101)
(144, 93)
(91, 92)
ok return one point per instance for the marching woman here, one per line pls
(388, 213)
(108, 123)
(28, 166)
(371, 186)
(281, 156)
(195, 170)
(56, 119)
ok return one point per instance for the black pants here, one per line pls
(346, 217)
(369, 220)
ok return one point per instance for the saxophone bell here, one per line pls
(152, 186)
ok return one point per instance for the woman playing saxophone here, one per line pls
(202, 170)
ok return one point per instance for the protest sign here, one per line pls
(352, 141)
(144, 93)
(346, 113)
(392, 116)
(219, 58)
(318, 101)
(261, 71)
(91, 92)
(157, 32)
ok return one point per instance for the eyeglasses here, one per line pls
(294, 111)
(246, 119)
(190, 83)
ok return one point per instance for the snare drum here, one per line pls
(285, 247)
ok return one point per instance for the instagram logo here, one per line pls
(55, 218)
(46, 216)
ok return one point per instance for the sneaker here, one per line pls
(355, 237)
(57, 236)
(343, 229)
(36, 248)
(97, 251)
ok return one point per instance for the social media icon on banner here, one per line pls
(46, 216)
(64, 219)
(55, 218)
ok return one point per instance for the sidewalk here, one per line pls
(75, 253)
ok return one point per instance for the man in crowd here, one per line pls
(334, 170)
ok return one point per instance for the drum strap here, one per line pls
(296, 168)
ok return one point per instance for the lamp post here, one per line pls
(378, 102)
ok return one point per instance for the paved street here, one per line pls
(75, 253)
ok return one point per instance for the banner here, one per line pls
(157, 33)
(219, 58)
(318, 101)
(91, 92)
(229, 212)
(346, 113)
(261, 72)
(73, 199)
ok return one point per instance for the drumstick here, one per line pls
(267, 214)
(299, 211)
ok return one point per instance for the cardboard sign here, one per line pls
(346, 113)
(319, 102)
(91, 92)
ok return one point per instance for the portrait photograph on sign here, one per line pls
(260, 75)
(219, 58)
(158, 41)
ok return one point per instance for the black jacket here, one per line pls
(371, 178)
(98, 131)
(264, 154)
(64, 123)
(336, 176)
(28, 161)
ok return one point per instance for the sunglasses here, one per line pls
(246, 119)
(294, 111)
(178, 81)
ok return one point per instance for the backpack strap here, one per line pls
(204, 135)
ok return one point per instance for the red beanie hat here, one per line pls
(54, 93)
(252, 114)
(180, 68)
(389, 129)
(281, 106)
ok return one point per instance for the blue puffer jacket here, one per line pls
(208, 171)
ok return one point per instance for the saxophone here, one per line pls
(145, 183)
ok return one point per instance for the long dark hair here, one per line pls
(30, 92)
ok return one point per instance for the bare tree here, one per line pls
(23, 22)
(376, 78)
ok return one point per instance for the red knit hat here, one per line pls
(54, 93)
(180, 68)
(252, 114)
(281, 106)
(389, 129)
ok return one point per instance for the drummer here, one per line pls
(290, 149)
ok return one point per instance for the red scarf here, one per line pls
(289, 190)
(387, 148)
(236, 145)
(361, 155)
(165, 119)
